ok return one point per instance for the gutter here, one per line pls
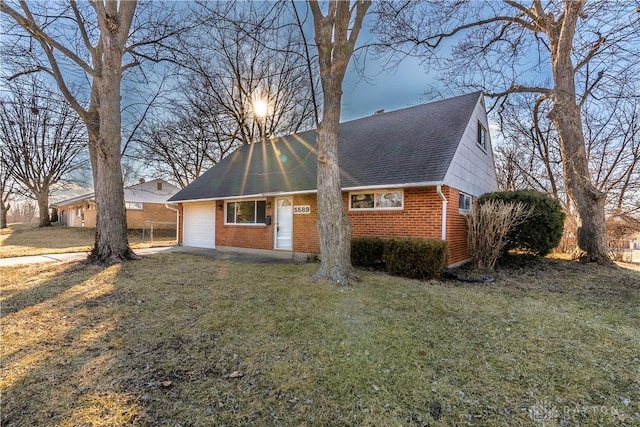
(289, 193)
(444, 211)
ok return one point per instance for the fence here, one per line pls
(159, 226)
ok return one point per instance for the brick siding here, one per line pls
(256, 236)
(151, 212)
(456, 227)
(135, 218)
(421, 217)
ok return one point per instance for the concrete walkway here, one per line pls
(74, 256)
(221, 253)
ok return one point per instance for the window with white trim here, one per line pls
(246, 212)
(134, 206)
(464, 203)
(482, 136)
(379, 199)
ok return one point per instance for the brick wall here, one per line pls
(150, 212)
(180, 223)
(135, 218)
(305, 230)
(421, 217)
(256, 236)
(88, 215)
(456, 227)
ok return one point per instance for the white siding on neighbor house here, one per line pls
(472, 169)
(199, 221)
(148, 192)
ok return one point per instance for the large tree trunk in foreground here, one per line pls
(111, 243)
(565, 114)
(334, 230)
(335, 42)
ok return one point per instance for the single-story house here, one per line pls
(145, 202)
(410, 172)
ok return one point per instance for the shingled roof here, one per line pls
(414, 145)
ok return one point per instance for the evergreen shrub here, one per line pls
(542, 230)
(366, 252)
(415, 258)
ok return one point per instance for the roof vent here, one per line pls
(378, 112)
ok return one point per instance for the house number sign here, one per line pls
(302, 209)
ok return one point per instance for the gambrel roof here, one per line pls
(412, 146)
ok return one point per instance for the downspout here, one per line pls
(168, 206)
(444, 211)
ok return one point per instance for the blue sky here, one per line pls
(404, 87)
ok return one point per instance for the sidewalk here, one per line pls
(75, 256)
(256, 256)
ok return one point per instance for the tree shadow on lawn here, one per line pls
(18, 293)
(57, 345)
(177, 339)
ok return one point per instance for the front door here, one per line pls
(284, 224)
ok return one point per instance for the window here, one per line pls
(88, 207)
(246, 212)
(159, 186)
(384, 199)
(482, 136)
(464, 202)
(134, 206)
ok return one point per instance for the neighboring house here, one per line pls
(145, 202)
(411, 172)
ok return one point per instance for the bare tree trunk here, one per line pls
(111, 242)
(3, 213)
(589, 201)
(335, 40)
(42, 198)
(334, 230)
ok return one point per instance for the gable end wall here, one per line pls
(472, 168)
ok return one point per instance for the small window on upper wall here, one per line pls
(482, 136)
(133, 206)
(464, 203)
(159, 186)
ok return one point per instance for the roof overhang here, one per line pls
(291, 193)
(74, 201)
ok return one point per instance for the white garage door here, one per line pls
(199, 225)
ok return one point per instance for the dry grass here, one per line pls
(29, 239)
(184, 340)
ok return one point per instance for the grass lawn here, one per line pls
(29, 239)
(177, 339)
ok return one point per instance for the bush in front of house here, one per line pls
(542, 230)
(415, 258)
(366, 252)
(489, 224)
